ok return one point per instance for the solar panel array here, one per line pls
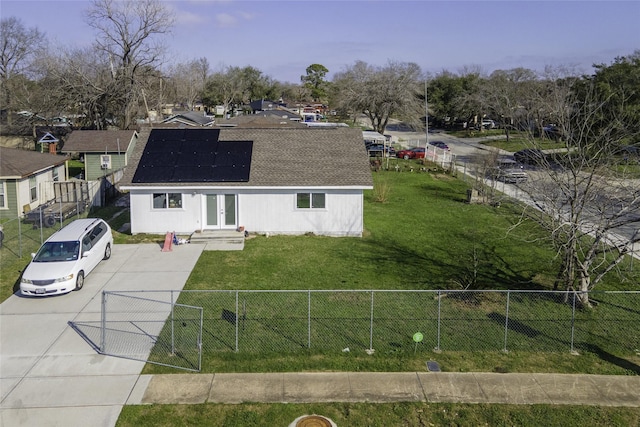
(193, 156)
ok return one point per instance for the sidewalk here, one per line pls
(432, 387)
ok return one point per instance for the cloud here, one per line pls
(224, 20)
(189, 18)
(246, 15)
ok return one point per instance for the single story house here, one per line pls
(104, 151)
(277, 181)
(264, 105)
(189, 118)
(26, 179)
(263, 119)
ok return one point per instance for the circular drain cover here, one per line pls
(312, 421)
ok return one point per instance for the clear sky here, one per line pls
(281, 38)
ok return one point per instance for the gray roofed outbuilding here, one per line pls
(192, 118)
(98, 141)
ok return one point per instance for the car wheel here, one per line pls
(49, 221)
(407, 157)
(80, 280)
(107, 251)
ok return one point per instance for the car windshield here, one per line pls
(58, 251)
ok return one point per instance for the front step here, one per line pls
(219, 240)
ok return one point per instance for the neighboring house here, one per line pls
(263, 119)
(50, 142)
(264, 105)
(277, 181)
(189, 118)
(26, 179)
(104, 151)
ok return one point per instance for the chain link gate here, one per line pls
(151, 329)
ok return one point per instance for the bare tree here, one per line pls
(189, 79)
(129, 35)
(507, 96)
(18, 50)
(381, 92)
(585, 197)
(235, 86)
(224, 88)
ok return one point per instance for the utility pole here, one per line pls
(426, 116)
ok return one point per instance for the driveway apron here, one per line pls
(49, 375)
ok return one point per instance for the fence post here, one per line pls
(371, 325)
(438, 335)
(506, 323)
(103, 323)
(200, 340)
(19, 237)
(236, 321)
(61, 216)
(309, 319)
(40, 216)
(173, 347)
(573, 321)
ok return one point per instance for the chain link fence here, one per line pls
(23, 235)
(381, 321)
(149, 327)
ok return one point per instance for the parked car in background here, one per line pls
(509, 176)
(553, 132)
(507, 170)
(488, 124)
(530, 156)
(376, 150)
(63, 261)
(411, 153)
(439, 144)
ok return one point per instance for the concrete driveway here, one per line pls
(49, 375)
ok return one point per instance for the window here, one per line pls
(310, 201)
(56, 177)
(3, 192)
(86, 244)
(97, 233)
(33, 188)
(167, 200)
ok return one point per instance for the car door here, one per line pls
(97, 235)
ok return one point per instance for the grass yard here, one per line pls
(423, 237)
(378, 414)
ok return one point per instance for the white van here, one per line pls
(64, 260)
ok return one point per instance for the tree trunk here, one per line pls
(584, 284)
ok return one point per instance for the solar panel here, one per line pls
(193, 155)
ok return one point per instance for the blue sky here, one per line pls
(282, 38)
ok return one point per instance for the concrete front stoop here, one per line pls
(219, 240)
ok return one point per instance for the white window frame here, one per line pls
(33, 188)
(55, 174)
(166, 204)
(311, 201)
(3, 195)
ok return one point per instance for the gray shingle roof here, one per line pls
(191, 117)
(290, 157)
(16, 163)
(98, 141)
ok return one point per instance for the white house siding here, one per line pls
(259, 211)
(45, 192)
(145, 219)
(276, 213)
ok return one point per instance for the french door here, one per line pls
(220, 211)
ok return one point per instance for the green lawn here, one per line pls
(378, 414)
(423, 237)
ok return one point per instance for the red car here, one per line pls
(411, 153)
